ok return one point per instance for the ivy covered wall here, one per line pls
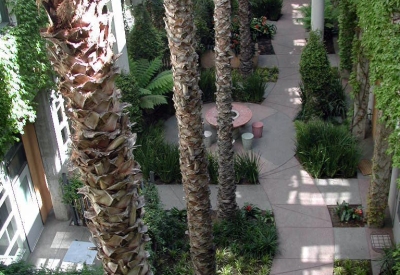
(24, 69)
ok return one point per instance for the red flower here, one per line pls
(249, 208)
(257, 26)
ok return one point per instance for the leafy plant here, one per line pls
(270, 8)
(155, 154)
(247, 234)
(24, 268)
(326, 150)
(152, 87)
(347, 213)
(247, 167)
(390, 261)
(203, 19)
(24, 70)
(250, 89)
(352, 267)
(70, 190)
(207, 84)
(261, 28)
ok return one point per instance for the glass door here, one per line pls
(28, 207)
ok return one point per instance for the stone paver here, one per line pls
(351, 243)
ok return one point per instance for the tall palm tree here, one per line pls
(227, 187)
(81, 51)
(380, 178)
(246, 50)
(187, 98)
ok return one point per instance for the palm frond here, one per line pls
(145, 91)
(162, 83)
(150, 101)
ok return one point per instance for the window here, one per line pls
(4, 19)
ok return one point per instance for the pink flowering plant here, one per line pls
(252, 212)
(347, 213)
(260, 27)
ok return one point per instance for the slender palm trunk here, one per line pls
(81, 51)
(380, 180)
(246, 47)
(227, 187)
(187, 98)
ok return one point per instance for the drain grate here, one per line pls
(379, 241)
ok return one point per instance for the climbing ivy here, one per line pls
(24, 69)
(380, 24)
(347, 25)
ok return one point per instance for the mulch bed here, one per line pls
(336, 220)
(265, 46)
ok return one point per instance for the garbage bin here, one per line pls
(257, 129)
(247, 141)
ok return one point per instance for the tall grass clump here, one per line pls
(247, 168)
(250, 89)
(207, 84)
(326, 150)
(155, 154)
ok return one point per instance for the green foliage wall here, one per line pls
(24, 69)
(381, 41)
(347, 27)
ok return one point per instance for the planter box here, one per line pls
(207, 60)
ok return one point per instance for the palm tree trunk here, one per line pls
(187, 98)
(246, 50)
(381, 172)
(227, 187)
(81, 51)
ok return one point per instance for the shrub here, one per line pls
(321, 90)
(250, 234)
(269, 8)
(260, 28)
(247, 168)
(390, 261)
(144, 41)
(203, 20)
(250, 89)
(347, 213)
(207, 84)
(347, 266)
(326, 150)
(154, 154)
(23, 268)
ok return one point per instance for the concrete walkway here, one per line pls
(308, 242)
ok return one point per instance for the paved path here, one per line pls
(308, 243)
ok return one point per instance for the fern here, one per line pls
(152, 88)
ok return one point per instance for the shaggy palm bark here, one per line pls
(187, 99)
(81, 51)
(227, 187)
(246, 50)
(381, 172)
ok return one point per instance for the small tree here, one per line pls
(144, 41)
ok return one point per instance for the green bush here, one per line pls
(247, 168)
(207, 84)
(250, 233)
(390, 261)
(352, 267)
(321, 90)
(155, 154)
(144, 41)
(270, 8)
(326, 150)
(166, 230)
(23, 268)
(204, 22)
(250, 89)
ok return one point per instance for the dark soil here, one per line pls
(336, 220)
(265, 46)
